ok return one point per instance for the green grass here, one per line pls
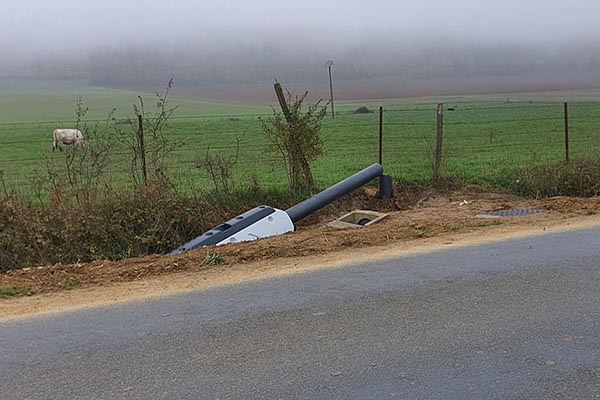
(7, 291)
(213, 258)
(485, 137)
(32, 101)
(69, 283)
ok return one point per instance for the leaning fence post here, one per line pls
(140, 138)
(437, 163)
(566, 132)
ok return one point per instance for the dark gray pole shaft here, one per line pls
(566, 132)
(334, 192)
(381, 135)
(437, 163)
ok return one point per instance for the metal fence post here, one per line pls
(437, 163)
(381, 135)
(566, 132)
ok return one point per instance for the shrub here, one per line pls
(7, 291)
(297, 138)
(213, 258)
(69, 283)
(363, 110)
(219, 168)
(150, 161)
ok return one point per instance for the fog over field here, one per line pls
(421, 46)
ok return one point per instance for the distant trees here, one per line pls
(127, 67)
(219, 63)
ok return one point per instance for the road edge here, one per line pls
(180, 283)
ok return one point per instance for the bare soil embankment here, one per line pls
(417, 222)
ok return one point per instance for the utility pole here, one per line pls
(329, 64)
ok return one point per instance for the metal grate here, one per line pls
(513, 212)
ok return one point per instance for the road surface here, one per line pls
(511, 320)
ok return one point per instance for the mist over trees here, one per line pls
(215, 64)
(143, 43)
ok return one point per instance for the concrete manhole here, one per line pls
(513, 212)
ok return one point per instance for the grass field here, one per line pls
(485, 137)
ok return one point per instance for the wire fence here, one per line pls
(481, 141)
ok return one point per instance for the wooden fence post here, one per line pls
(140, 138)
(282, 102)
(566, 132)
(304, 165)
(437, 163)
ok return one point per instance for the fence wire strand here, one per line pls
(511, 131)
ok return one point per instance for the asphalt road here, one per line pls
(514, 320)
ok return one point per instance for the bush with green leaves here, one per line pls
(297, 138)
(363, 110)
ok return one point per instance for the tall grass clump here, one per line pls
(579, 177)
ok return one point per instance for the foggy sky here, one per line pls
(34, 27)
(140, 44)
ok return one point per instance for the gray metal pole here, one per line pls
(437, 162)
(329, 64)
(334, 192)
(381, 135)
(566, 132)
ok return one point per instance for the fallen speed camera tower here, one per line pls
(265, 221)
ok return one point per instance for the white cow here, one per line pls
(68, 136)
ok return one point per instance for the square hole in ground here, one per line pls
(357, 219)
